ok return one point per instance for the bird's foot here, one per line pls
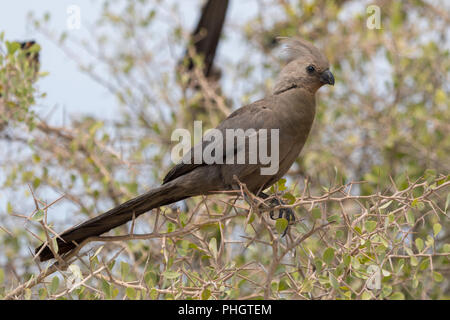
(286, 213)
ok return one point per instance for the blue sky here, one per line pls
(67, 88)
(69, 91)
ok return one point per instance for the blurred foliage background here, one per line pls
(377, 161)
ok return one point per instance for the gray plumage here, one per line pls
(291, 109)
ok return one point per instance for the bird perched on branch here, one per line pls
(290, 110)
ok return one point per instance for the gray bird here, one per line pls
(290, 109)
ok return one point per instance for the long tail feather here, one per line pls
(166, 194)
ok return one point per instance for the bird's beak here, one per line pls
(327, 77)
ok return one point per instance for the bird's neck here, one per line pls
(299, 107)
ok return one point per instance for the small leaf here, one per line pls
(124, 269)
(370, 225)
(206, 293)
(386, 290)
(213, 247)
(153, 294)
(150, 279)
(316, 213)
(333, 281)
(97, 252)
(366, 296)
(76, 271)
(424, 264)
(55, 244)
(289, 197)
(131, 293)
(436, 229)
(38, 216)
(281, 224)
(447, 202)
(9, 208)
(437, 276)
(106, 288)
(385, 273)
(12, 46)
(397, 296)
(54, 286)
(384, 206)
(414, 262)
(282, 184)
(27, 294)
(410, 217)
(171, 274)
(328, 255)
(419, 244)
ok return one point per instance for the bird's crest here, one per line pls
(297, 47)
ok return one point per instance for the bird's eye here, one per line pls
(310, 69)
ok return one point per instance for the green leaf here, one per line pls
(55, 244)
(384, 206)
(106, 288)
(12, 47)
(27, 294)
(437, 276)
(414, 262)
(150, 279)
(397, 296)
(316, 213)
(38, 216)
(289, 197)
(436, 229)
(447, 202)
(76, 271)
(430, 175)
(415, 282)
(410, 217)
(333, 281)
(131, 293)
(124, 269)
(419, 244)
(282, 184)
(97, 252)
(386, 290)
(206, 293)
(281, 224)
(328, 255)
(54, 285)
(2, 275)
(213, 247)
(9, 208)
(171, 274)
(424, 264)
(370, 225)
(347, 259)
(183, 219)
(153, 294)
(42, 293)
(334, 218)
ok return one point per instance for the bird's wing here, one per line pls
(257, 115)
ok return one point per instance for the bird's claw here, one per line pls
(286, 213)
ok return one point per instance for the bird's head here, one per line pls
(306, 67)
